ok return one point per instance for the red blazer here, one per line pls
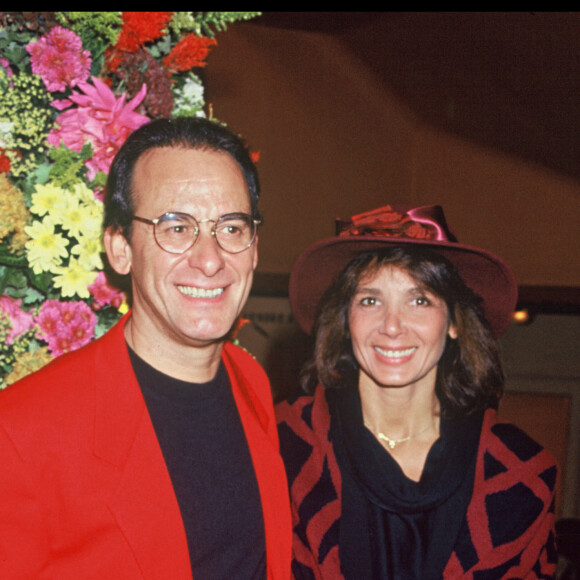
(84, 490)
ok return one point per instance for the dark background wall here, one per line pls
(477, 112)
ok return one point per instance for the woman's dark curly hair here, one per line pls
(469, 373)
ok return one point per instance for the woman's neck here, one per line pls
(399, 412)
(404, 420)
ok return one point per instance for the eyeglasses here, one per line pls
(176, 232)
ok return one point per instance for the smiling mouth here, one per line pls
(196, 292)
(396, 353)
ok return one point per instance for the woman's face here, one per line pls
(398, 330)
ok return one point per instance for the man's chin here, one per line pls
(208, 337)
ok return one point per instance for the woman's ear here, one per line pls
(452, 332)
(118, 250)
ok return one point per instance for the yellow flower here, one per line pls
(27, 363)
(83, 193)
(92, 222)
(46, 248)
(89, 249)
(79, 212)
(72, 216)
(47, 199)
(13, 214)
(74, 279)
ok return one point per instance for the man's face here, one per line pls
(192, 298)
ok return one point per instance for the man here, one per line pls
(152, 452)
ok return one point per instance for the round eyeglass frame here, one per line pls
(153, 222)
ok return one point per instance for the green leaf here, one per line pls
(41, 282)
(7, 258)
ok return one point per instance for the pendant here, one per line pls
(391, 442)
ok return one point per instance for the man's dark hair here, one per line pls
(181, 132)
(469, 373)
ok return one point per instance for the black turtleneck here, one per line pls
(203, 442)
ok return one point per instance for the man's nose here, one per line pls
(206, 254)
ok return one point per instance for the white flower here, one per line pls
(5, 132)
(188, 100)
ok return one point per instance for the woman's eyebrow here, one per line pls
(368, 290)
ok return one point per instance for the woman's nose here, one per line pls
(393, 323)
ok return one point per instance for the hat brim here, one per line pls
(320, 264)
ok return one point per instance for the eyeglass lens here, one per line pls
(177, 232)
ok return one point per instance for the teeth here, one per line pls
(195, 292)
(395, 353)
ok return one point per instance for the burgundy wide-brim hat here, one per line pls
(320, 264)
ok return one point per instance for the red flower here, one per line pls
(138, 29)
(385, 222)
(255, 156)
(141, 27)
(418, 231)
(382, 216)
(4, 162)
(191, 51)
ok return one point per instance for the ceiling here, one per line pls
(509, 80)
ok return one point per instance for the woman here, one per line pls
(397, 463)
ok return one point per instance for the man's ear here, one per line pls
(118, 250)
(255, 256)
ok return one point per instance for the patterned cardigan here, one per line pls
(506, 531)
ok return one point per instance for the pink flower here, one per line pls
(5, 64)
(65, 326)
(59, 58)
(100, 118)
(103, 294)
(21, 321)
(48, 318)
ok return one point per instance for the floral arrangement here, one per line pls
(73, 86)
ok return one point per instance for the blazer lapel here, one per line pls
(142, 498)
(251, 390)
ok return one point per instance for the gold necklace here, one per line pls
(392, 443)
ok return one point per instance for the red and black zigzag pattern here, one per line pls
(315, 485)
(507, 531)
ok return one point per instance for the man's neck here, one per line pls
(195, 364)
